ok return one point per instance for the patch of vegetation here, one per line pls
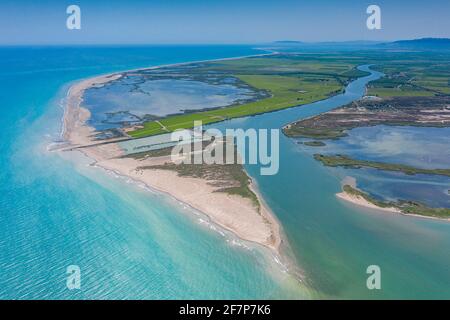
(355, 73)
(150, 128)
(424, 74)
(296, 130)
(314, 143)
(414, 207)
(347, 162)
(358, 193)
(396, 111)
(230, 178)
(149, 154)
(162, 152)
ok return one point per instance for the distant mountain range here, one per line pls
(414, 44)
(420, 44)
(289, 42)
(327, 43)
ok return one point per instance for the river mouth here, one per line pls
(351, 92)
(333, 241)
(302, 195)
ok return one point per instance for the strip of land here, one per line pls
(223, 192)
(348, 162)
(372, 111)
(314, 143)
(282, 81)
(413, 208)
(228, 197)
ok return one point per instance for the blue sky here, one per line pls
(213, 21)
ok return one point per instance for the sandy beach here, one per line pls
(232, 212)
(360, 201)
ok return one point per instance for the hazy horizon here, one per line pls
(137, 22)
(112, 44)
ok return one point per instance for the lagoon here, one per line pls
(135, 98)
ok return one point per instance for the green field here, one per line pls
(290, 80)
(297, 79)
(420, 75)
(384, 92)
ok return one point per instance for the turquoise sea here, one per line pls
(56, 210)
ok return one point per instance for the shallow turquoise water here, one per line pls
(56, 212)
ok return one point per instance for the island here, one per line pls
(354, 195)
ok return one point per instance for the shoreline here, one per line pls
(261, 228)
(361, 202)
(173, 197)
